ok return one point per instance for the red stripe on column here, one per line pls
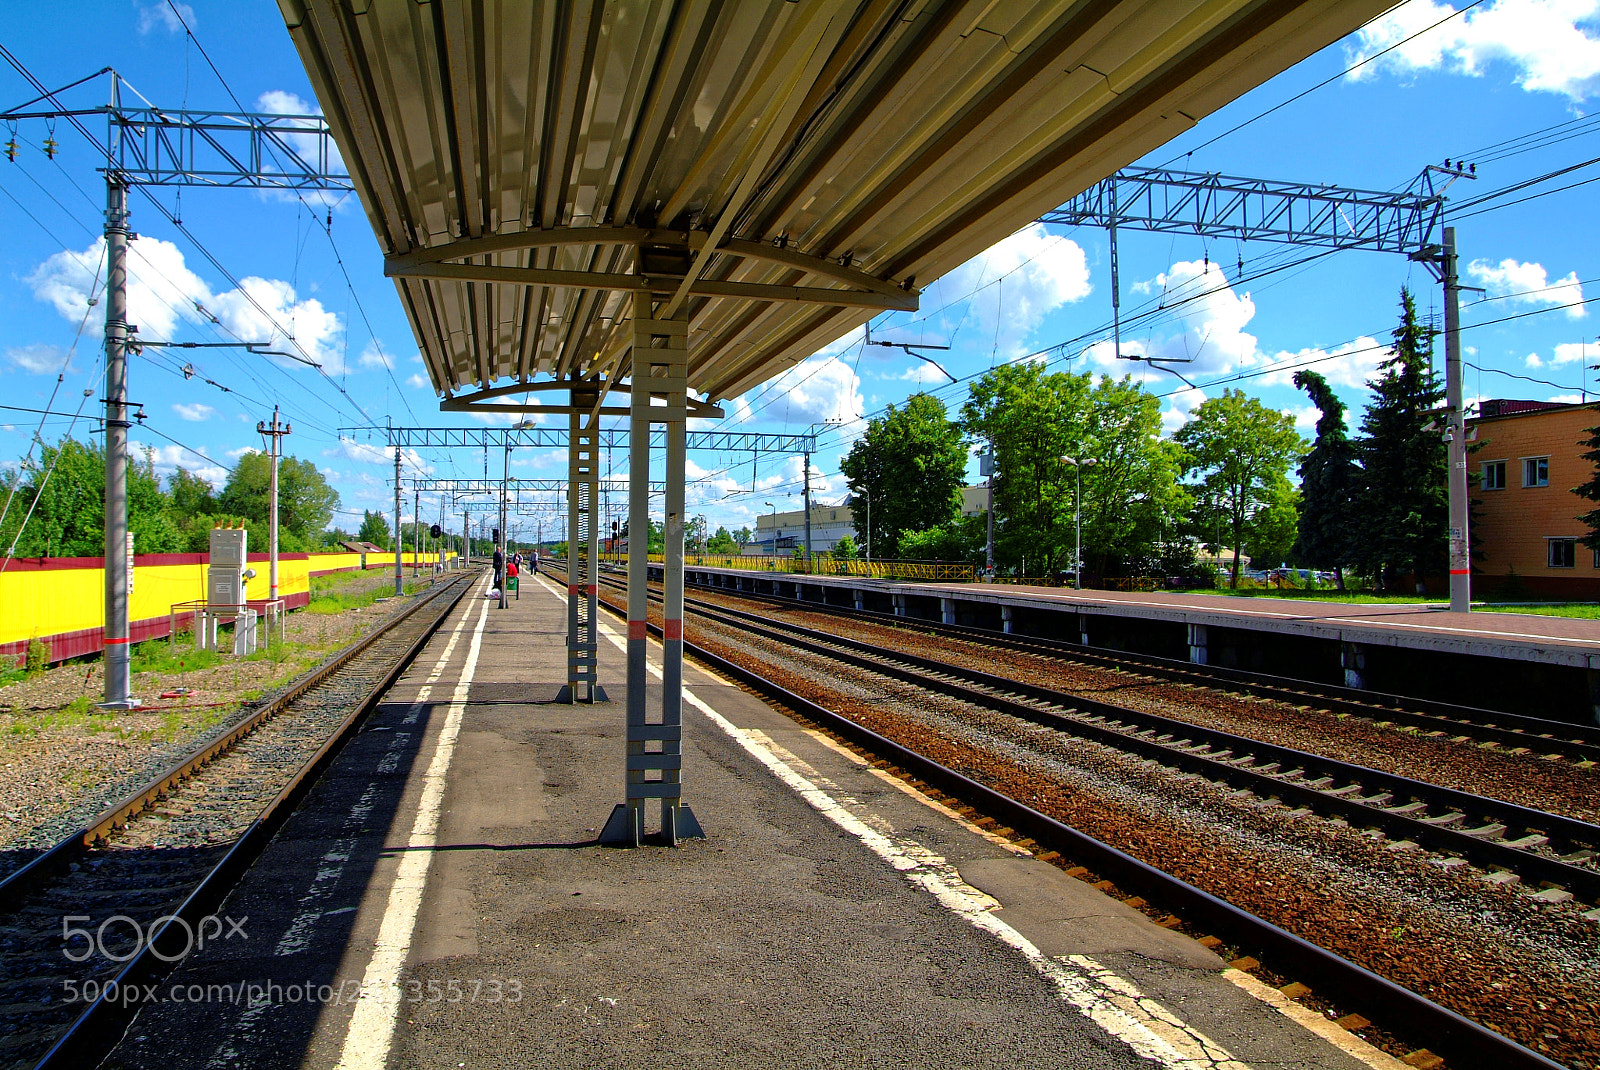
(674, 629)
(114, 642)
(593, 588)
(636, 629)
(572, 589)
(1461, 572)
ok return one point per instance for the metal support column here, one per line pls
(416, 530)
(583, 550)
(655, 745)
(807, 501)
(118, 559)
(466, 539)
(1456, 436)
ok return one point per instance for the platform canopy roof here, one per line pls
(784, 170)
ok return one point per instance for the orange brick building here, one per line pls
(1525, 528)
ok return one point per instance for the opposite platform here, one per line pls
(442, 902)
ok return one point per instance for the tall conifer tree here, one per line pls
(1329, 479)
(1403, 506)
(1590, 489)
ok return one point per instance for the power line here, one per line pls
(1325, 82)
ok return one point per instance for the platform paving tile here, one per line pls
(784, 939)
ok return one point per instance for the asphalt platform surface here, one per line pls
(440, 901)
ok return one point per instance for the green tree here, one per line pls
(1273, 528)
(913, 463)
(1404, 498)
(190, 495)
(846, 549)
(1241, 450)
(374, 529)
(1130, 475)
(68, 518)
(722, 543)
(1589, 490)
(305, 501)
(1329, 480)
(743, 537)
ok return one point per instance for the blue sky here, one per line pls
(1500, 71)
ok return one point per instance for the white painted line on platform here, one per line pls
(330, 868)
(366, 1045)
(1119, 1008)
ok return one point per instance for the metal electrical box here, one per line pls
(225, 583)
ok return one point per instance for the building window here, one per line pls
(1536, 471)
(1494, 475)
(1561, 553)
(1597, 559)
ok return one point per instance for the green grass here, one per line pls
(329, 602)
(1580, 612)
(174, 657)
(10, 674)
(1321, 595)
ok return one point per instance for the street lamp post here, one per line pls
(867, 494)
(774, 509)
(1077, 517)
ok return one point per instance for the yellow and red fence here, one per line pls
(60, 601)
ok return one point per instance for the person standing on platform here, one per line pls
(535, 560)
(499, 568)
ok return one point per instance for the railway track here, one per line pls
(110, 908)
(1335, 977)
(1496, 728)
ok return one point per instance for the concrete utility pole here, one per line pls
(1456, 434)
(276, 430)
(399, 579)
(416, 530)
(466, 539)
(118, 559)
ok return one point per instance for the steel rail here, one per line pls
(1578, 741)
(1228, 766)
(119, 813)
(99, 1027)
(1450, 1034)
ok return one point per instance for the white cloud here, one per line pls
(160, 14)
(374, 357)
(1544, 41)
(1305, 417)
(39, 358)
(164, 294)
(1030, 274)
(168, 459)
(1528, 284)
(1350, 365)
(417, 382)
(816, 389)
(196, 413)
(1563, 354)
(1211, 318)
(306, 146)
(370, 453)
(1566, 399)
(1184, 402)
(241, 451)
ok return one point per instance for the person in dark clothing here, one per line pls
(499, 568)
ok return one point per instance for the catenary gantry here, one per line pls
(679, 199)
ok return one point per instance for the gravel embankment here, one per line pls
(62, 761)
(1522, 967)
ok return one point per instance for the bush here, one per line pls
(37, 659)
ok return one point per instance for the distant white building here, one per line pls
(784, 533)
